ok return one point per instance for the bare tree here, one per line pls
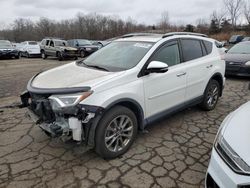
(234, 9)
(218, 16)
(202, 25)
(247, 11)
(164, 22)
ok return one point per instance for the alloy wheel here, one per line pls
(118, 133)
(212, 95)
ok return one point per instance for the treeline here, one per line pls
(220, 24)
(91, 26)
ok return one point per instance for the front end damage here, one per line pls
(59, 113)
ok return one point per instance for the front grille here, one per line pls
(40, 105)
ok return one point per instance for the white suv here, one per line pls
(105, 99)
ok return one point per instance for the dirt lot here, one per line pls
(174, 153)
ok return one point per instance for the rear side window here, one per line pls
(191, 49)
(209, 46)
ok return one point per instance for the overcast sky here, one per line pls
(143, 11)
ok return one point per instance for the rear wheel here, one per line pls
(60, 56)
(20, 54)
(211, 95)
(116, 132)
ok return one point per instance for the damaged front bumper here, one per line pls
(76, 121)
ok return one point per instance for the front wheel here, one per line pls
(82, 54)
(44, 56)
(211, 95)
(116, 132)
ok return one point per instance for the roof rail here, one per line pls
(137, 34)
(183, 33)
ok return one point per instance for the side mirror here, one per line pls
(156, 67)
(226, 50)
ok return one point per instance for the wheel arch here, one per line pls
(126, 102)
(219, 78)
(133, 106)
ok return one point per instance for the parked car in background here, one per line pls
(230, 159)
(238, 59)
(85, 47)
(104, 99)
(29, 49)
(235, 39)
(7, 50)
(57, 48)
(246, 39)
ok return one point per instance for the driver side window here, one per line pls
(169, 54)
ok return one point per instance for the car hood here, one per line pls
(71, 75)
(237, 57)
(237, 132)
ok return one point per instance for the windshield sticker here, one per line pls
(142, 45)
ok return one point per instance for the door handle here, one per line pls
(209, 66)
(181, 74)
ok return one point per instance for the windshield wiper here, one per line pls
(94, 66)
(98, 67)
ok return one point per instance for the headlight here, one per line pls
(228, 154)
(68, 100)
(247, 63)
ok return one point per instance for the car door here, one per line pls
(165, 90)
(47, 47)
(194, 57)
(51, 48)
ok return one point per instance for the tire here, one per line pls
(113, 140)
(44, 56)
(60, 56)
(20, 54)
(211, 95)
(82, 54)
(17, 57)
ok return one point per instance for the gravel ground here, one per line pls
(174, 153)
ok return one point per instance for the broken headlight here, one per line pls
(58, 101)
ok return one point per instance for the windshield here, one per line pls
(61, 43)
(241, 48)
(119, 56)
(83, 42)
(5, 44)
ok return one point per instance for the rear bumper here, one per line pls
(238, 70)
(219, 175)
